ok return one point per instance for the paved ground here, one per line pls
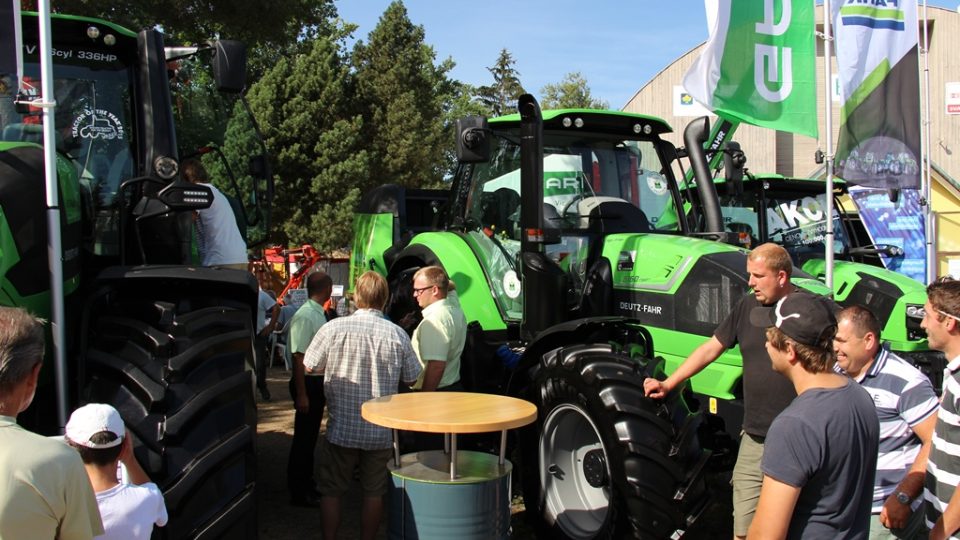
(280, 521)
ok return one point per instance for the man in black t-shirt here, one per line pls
(820, 455)
(765, 393)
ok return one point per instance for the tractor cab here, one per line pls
(603, 173)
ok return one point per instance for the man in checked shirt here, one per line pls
(363, 356)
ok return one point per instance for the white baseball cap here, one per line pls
(94, 418)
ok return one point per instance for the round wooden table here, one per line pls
(449, 413)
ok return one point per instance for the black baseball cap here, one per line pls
(801, 316)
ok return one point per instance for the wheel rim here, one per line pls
(574, 474)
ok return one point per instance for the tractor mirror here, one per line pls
(182, 195)
(230, 66)
(473, 139)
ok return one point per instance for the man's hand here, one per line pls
(302, 403)
(894, 514)
(655, 389)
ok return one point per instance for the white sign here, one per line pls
(952, 96)
(337, 290)
(296, 297)
(685, 105)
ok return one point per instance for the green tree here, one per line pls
(571, 93)
(501, 97)
(321, 163)
(403, 96)
(280, 25)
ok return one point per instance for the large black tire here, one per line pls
(603, 461)
(179, 370)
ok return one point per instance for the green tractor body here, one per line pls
(166, 342)
(580, 274)
(792, 212)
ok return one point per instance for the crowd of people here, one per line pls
(840, 439)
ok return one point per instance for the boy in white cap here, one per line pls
(129, 511)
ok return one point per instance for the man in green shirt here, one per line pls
(306, 389)
(441, 335)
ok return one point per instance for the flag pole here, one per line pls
(828, 128)
(929, 218)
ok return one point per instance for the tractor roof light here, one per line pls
(578, 122)
(110, 40)
(647, 129)
(93, 32)
(567, 122)
(637, 128)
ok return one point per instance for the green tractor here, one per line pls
(168, 343)
(581, 274)
(789, 211)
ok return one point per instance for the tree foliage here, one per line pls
(572, 92)
(321, 165)
(402, 95)
(278, 25)
(501, 97)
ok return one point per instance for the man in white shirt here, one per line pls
(219, 239)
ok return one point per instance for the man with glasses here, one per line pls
(941, 321)
(441, 335)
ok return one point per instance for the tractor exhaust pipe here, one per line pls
(531, 171)
(694, 136)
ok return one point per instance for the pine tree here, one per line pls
(403, 95)
(304, 106)
(571, 93)
(501, 97)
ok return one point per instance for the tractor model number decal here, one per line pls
(97, 124)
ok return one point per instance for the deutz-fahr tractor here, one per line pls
(582, 272)
(167, 342)
(790, 211)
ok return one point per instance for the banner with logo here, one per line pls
(897, 223)
(759, 64)
(876, 43)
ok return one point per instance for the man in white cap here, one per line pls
(129, 511)
(44, 492)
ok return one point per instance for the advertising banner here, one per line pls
(759, 64)
(879, 144)
(899, 224)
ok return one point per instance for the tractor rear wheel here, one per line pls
(603, 461)
(179, 370)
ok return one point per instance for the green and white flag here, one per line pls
(759, 65)
(877, 61)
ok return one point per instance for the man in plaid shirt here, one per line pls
(363, 356)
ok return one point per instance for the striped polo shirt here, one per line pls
(943, 468)
(904, 397)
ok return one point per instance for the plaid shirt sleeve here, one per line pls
(315, 357)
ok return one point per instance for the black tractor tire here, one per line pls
(603, 461)
(180, 371)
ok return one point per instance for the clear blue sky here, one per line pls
(618, 46)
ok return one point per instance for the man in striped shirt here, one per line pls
(941, 321)
(906, 405)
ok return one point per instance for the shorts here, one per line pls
(337, 464)
(747, 480)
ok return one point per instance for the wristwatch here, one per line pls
(903, 497)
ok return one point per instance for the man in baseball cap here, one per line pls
(809, 490)
(128, 510)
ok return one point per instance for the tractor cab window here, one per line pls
(593, 185)
(794, 219)
(93, 121)
(218, 128)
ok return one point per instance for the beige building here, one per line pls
(793, 155)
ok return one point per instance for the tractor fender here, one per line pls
(450, 251)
